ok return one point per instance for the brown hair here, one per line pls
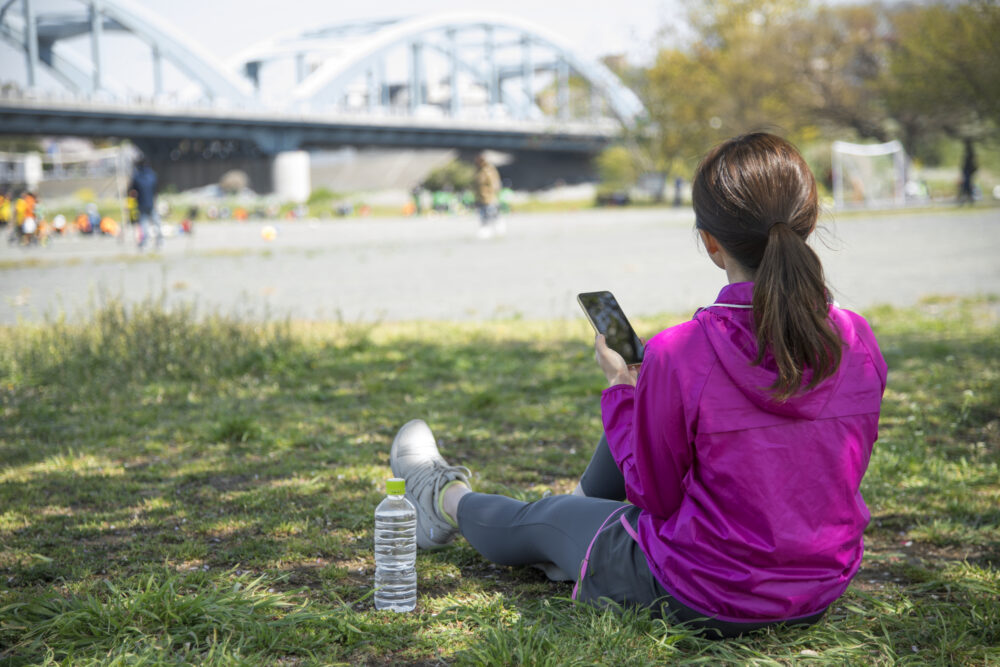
(756, 195)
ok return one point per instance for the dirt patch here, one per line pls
(900, 561)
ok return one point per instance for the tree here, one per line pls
(733, 75)
(617, 169)
(945, 68)
(839, 57)
(455, 175)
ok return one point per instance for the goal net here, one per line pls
(869, 175)
(66, 185)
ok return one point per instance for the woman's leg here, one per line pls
(555, 529)
(602, 478)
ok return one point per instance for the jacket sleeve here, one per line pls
(649, 437)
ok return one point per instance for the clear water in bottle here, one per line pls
(395, 550)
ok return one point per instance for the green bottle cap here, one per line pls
(395, 486)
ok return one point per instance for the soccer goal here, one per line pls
(869, 175)
(54, 178)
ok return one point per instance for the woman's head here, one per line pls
(756, 196)
(747, 185)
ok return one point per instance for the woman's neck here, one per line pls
(738, 274)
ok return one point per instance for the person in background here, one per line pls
(93, 219)
(144, 184)
(487, 197)
(966, 192)
(5, 207)
(25, 226)
(132, 206)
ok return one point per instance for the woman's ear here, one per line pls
(713, 248)
(711, 245)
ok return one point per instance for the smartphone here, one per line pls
(607, 318)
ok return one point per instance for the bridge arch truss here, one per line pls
(466, 66)
(40, 29)
(458, 64)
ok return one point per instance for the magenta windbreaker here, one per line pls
(751, 508)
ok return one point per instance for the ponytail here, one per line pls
(756, 195)
(791, 313)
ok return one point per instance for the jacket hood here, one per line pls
(728, 324)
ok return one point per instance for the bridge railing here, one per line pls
(305, 112)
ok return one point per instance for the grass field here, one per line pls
(177, 488)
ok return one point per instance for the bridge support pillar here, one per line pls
(31, 37)
(290, 175)
(32, 171)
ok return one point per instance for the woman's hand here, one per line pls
(613, 365)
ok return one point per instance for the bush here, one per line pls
(321, 195)
(456, 175)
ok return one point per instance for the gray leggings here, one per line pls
(562, 530)
(555, 529)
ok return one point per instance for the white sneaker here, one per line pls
(485, 232)
(500, 227)
(414, 457)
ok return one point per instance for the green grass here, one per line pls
(178, 488)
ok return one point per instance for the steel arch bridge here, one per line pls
(459, 65)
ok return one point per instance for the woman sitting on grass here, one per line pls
(740, 443)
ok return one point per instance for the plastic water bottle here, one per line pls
(395, 550)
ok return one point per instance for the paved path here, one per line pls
(399, 269)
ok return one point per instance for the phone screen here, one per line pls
(607, 318)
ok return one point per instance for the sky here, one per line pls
(597, 27)
(224, 27)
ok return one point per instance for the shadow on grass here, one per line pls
(262, 451)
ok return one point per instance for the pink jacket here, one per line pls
(751, 508)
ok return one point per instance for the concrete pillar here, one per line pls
(96, 35)
(31, 39)
(32, 171)
(290, 175)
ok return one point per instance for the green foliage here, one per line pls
(617, 169)
(193, 489)
(138, 343)
(734, 75)
(321, 196)
(807, 71)
(944, 67)
(20, 144)
(456, 175)
(188, 617)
